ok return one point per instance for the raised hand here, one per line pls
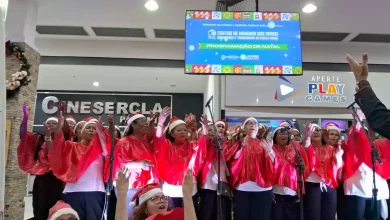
(188, 183)
(165, 113)
(204, 122)
(267, 145)
(122, 182)
(100, 126)
(359, 70)
(110, 120)
(153, 118)
(190, 121)
(308, 130)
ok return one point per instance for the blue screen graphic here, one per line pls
(243, 43)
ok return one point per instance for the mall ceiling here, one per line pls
(334, 21)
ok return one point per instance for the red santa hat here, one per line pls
(175, 214)
(276, 130)
(134, 117)
(61, 208)
(145, 193)
(88, 121)
(246, 120)
(117, 128)
(285, 124)
(175, 121)
(332, 126)
(55, 119)
(77, 125)
(221, 122)
(70, 119)
(295, 129)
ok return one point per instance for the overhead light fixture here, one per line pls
(151, 5)
(309, 8)
(96, 84)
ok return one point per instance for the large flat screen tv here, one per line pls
(245, 43)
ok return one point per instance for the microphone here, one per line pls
(208, 102)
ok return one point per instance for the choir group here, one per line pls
(71, 162)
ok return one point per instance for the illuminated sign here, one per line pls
(326, 89)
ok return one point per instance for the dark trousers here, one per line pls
(285, 207)
(112, 206)
(252, 205)
(89, 205)
(208, 205)
(319, 204)
(47, 190)
(341, 203)
(177, 202)
(359, 208)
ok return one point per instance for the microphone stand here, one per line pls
(375, 156)
(301, 167)
(221, 156)
(111, 129)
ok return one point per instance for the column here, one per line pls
(20, 29)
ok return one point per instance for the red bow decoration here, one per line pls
(8, 51)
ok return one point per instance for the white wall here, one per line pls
(312, 51)
(213, 89)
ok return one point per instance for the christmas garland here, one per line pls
(19, 78)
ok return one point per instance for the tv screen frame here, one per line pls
(300, 70)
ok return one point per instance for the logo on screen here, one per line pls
(285, 89)
(229, 57)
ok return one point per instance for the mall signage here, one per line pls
(326, 89)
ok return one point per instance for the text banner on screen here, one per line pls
(247, 43)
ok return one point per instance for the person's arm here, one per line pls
(188, 186)
(377, 115)
(122, 186)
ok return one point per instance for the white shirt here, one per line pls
(176, 191)
(250, 186)
(284, 191)
(361, 184)
(91, 180)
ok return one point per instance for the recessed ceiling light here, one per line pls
(96, 84)
(151, 5)
(309, 8)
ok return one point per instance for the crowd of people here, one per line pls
(170, 170)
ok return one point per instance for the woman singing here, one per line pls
(175, 154)
(285, 186)
(80, 165)
(33, 159)
(251, 175)
(325, 161)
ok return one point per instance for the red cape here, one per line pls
(26, 155)
(173, 160)
(69, 160)
(253, 164)
(323, 163)
(286, 174)
(175, 214)
(129, 149)
(358, 151)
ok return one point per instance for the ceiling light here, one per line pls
(309, 8)
(151, 5)
(96, 84)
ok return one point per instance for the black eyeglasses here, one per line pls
(159, 199)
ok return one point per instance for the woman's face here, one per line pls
(333, 137)
(282, 137)
(51, 124)
(221, 129)
(140, 126)
(210, 132)
(317, 136)
(71, 124)
(180, 133)
(251, 128)
(157, 204)
(296, 136)
(261, 131)
(89, 131)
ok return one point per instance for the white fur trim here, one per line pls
(88, 123)
(261, 125)
(284, 124)
(71, 119)
(146, 196)
(276, 129)
(133, 118)
(294, 129)
(174, 124)
(75, 127)
(64, 211)
(220, 123)
(316, 125)
(332, 127)
(52, 119)
(246, 121)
